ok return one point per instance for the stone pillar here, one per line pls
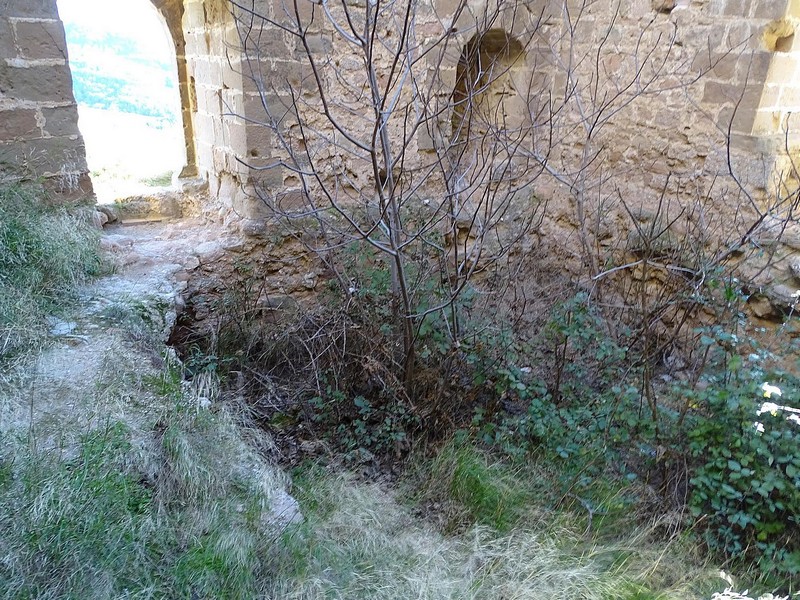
(172, 13)
(39, 134)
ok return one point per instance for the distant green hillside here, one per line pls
(111, 71)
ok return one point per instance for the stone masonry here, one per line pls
(747, 46)
(38, 115)
(719, 118)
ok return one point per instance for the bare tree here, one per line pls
(432, 138)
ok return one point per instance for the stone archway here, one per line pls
(485, 88)
(39, 134)
(172, 13)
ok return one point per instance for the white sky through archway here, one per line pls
(120, 17)
(124, 75)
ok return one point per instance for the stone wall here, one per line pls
(38, 116)
(726, 96)
(639, 112)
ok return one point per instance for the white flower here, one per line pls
(769, 407)
(770, 389)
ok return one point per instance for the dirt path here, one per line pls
(117, 327)
(107, 360)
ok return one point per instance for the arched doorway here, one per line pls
(125, 66)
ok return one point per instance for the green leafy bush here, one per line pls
(746, 481)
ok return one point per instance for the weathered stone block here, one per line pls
(210, 99)
(47, 157)
(279, 76)
(7, 48)
(259, 141)
(770, 99)
(194, 17)
(30, 8)
(269, 178)
(736, 8)
(266, 45)
(217, 11)
(716, 92)
(196, 45)
(204, 127)
(747, 97)
(230, 132)
(232, 102)
(770, 9)
(207, 72)
(232, 75)
(317, 45)
(447, 8)
(740, 120)
(61, 121)
(270, 108)
(223, 41)
(792, 122)
(205, 154)
(441, 81)
(724, 66)
(290, 200)
(222, 160)
(754, 66)
(72, 187)
(41, 83)
(790, 98)
(18, 124)
(41, 39)
(767, 122)
(425, 142)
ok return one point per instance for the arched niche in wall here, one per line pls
(488, 104)
(485, 89)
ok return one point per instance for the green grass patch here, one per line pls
(161, 180)
(112, 518)
(361, 540)
(45, 253)
(474, 488)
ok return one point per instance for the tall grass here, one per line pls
(45, 253)
(179, 510)
(178, 516)
(360, 542)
